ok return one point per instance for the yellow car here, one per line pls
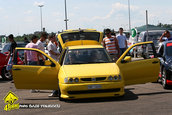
(87, 71)
(91, 35)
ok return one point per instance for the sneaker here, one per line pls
(53, 95)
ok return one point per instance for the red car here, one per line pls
(3, 72)
(3, 62)
(6, 75)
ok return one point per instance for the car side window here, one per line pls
(29, 57)
(142, 52)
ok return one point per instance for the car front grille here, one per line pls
(94, 79)
(94, 91)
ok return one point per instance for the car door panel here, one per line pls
(36, 77)
(139, 71)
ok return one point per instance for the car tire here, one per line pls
(164, 79)
(6, 75)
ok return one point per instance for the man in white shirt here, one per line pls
(122, 41)
(55, 54)
(40, 44)
(52, 48)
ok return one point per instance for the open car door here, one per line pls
(32, 74)
(139, 64)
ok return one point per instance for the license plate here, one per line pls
(94, 86)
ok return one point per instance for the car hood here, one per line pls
(88, 70)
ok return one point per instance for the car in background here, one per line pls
(165, 56)
(6, 48)
(153, 35)
(6, 75)
(3, 72)
(0, 47)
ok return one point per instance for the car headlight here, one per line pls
(66, 80)
(110, 78)
(76, 80)
(70, 80)
(115, 77)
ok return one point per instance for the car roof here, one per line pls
(151, 31)
(85, 46)
(78, 30)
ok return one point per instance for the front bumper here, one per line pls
(81, 90)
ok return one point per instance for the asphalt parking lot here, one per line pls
(144, 99)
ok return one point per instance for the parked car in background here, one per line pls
(6, 48)
(0, 47)
(3, 72)
(153, 35)
(165, 56)
(6, 75)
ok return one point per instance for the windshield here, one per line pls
(169, 49)
(80, 36)
(6, 48)
(87, 56)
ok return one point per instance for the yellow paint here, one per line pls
(47, 77)
(10, 99)
(79, 42)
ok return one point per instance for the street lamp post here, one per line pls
(66, 15)
(41, 15)
(129, 15)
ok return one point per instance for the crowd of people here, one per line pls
(32, 57)
(115, 46)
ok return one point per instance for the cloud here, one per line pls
(1, 9)
(29, 19)
(116, 7)
(28, 12)
(56, 14)
(76, 8)
(38, 3)
(6, 17)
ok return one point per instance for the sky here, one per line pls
(20, 17)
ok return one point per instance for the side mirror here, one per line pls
(47, 63)
(126, 59)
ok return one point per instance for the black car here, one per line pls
(165, 56)
(153, 35)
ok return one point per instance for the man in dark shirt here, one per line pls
(12, 46)
(10, 53)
